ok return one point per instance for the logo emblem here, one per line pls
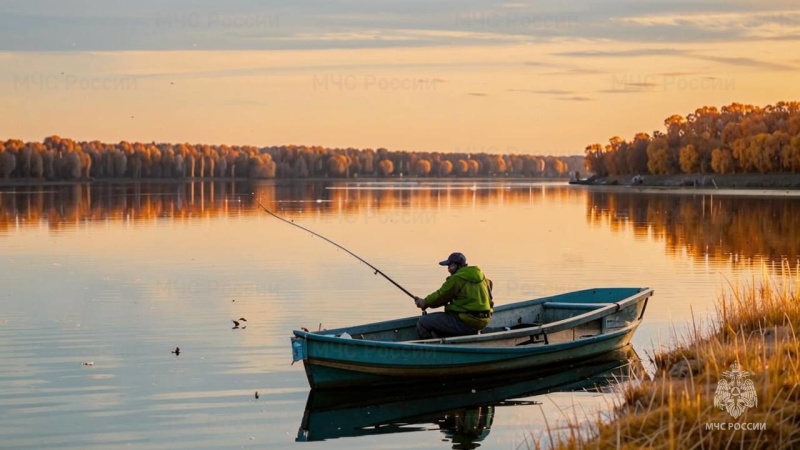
(735, 394)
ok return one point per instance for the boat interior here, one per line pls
(558, 318)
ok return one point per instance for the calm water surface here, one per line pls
(100, 284)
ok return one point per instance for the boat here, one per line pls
(522, 335)
(462, 409)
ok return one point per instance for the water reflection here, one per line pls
(64, 206)
(731, 228)
(462, 411)
(718, 228)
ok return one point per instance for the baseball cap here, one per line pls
(454, 258)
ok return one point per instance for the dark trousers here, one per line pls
(442, 324)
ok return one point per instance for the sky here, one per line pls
(437, 75)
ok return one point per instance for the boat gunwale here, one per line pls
(459, 342)
(523, 351)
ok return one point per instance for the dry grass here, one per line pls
(757, 329)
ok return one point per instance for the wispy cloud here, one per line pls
(538, 64)
(675, 74)
(693, 54)
(477, 94)
(576, 71)
(317, 24)
(576, 98)
(642, 85)
(746, 62)
(543, 92)
(624, 90)
(762, 25)
(632, 53)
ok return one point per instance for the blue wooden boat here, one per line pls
(523, 335)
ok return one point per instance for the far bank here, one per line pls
(711, 181)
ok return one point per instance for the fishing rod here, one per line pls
(377, 271)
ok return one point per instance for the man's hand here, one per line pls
(420, 302)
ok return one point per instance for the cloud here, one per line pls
(576, 71)
(740, 61)
(675, 74)
(624, 91)
(477, 94)
(576, 99)
(538, 64)
(52, 25)
(753, 25)
(621, 53)
(543, 92)
(745, 62)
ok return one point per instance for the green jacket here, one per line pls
(466, 291)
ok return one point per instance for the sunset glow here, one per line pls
(511, 78)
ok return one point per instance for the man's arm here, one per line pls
(444, 294)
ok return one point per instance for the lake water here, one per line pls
(101, 283)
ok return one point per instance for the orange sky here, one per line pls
(476, 94)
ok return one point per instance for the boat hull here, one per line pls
(331, 361)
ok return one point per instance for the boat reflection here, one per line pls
(462, 411)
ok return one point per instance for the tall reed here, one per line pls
(756, 328)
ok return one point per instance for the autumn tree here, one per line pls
(445, 168)
(300, 168)
(614, 156)
(473, 167)
(385, 167)
(637, 154)
(675, 125)
(496, 164)
(8, 162)
(790, 155)
(689, 159)
(461, 168)
(722, 161)
(337, 165)
(422, 167)
(595, 161)
(659, 157)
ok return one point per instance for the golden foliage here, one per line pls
(57, 159)
(757, 331)
(735, 138)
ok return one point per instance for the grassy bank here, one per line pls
(757, 329)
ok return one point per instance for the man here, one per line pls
(467, 296)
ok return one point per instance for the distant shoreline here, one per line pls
(648, 183)
(13, 182)
(744, 181)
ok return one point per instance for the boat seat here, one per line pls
(565, 305)
(515, 327)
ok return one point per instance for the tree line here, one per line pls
(737, 138)
(58, 158)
